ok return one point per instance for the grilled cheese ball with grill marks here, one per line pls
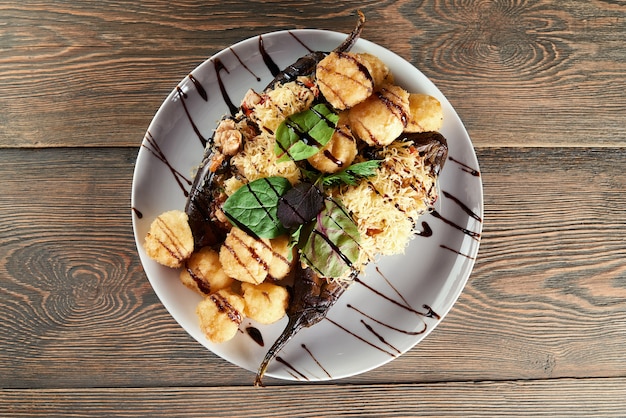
(346, 78)
(203, 272)
(246, 258)
(169, 241)
(382, 117)
(220, 315)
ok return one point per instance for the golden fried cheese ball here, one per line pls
(203, 272)
(282, 259)
(343, 79)
(339, 152)
(381, 118)
(244, 257)
(425, 113)
(377, 68)
(169, 241)
(220, 315)
(266, 303)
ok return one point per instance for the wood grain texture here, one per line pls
(531, 73)
(546, 299)
(548, 398)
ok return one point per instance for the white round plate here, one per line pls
(396, 303)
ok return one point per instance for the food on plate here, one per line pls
(425, 113)
(170, 240)
(220, 315)
(382, 117)
(266, 303)
(323, 171)
(203, 272)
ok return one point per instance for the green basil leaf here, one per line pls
(352, 174)
(253, 206)
(330, 245)
(302, 135)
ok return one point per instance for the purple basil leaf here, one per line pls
(299, 205)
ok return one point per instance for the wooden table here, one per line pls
(540, 328)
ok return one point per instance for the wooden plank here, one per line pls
(546, 299)
(528, 74)
(546, 398)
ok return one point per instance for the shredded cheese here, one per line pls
(386, 206)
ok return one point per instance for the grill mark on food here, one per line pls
(224, 306)
(362, 69)
(175, 249)
(252, 252)
(393, 106)
(203, 286)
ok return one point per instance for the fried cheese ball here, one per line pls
(425, 113)
(203, 272)
(339, 152)
(266, 303)
(282, 259)
(169, 241)
(381, 118)
(220, 315)
(346, 78)
(244, 257)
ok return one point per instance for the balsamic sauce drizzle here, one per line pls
(472, 234)
(462, 205)
(138, 214)
(466, 168)
(158, 153)
(316, 361)
(445, 247)
(182, 95)
(391, 327)
(243, 64)
(300, 41)
(299, 374)
(426, 231)
(201, 91)
(358, 337)
(256, 335)
(219, 65)
(269, 62)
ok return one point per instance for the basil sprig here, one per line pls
(303, 134)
